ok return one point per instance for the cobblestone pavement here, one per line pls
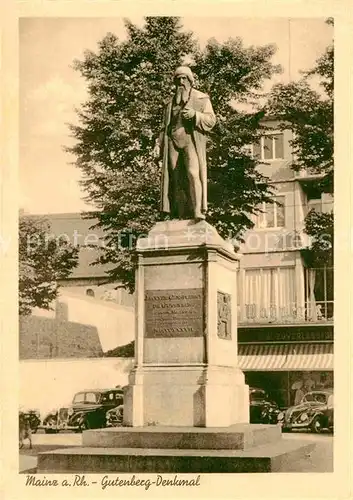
(319, 460)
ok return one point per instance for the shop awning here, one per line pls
(261, 357)
(309, 357)
(285, 357)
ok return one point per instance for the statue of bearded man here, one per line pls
(187, 119)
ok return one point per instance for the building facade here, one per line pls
(285, 309)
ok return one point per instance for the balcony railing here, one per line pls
(310, 312)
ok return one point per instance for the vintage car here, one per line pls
(262, 409)
(314, 412)
(114, 417)
(87, 411)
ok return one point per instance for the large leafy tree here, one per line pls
(128, 82)
(309, 113)
(43, 260)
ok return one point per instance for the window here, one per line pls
(317, 397)
(91, 397)
(90, 292)
(270, 147)
(269, 293)
(272, 215)
(319, 293)
(79, 398)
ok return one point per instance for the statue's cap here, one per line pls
(184, 70)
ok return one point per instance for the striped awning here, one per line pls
(285, 357)
(262, 356)
(309, 357)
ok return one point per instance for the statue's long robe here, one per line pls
(204, 121)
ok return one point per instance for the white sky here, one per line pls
(50, 89)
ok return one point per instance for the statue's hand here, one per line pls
(188, 113)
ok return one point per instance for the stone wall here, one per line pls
(52, 338)
(78, 326)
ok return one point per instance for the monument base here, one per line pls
(237, 449)
(186, 396)
(186, 371)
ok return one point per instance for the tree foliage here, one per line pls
(128, 82)
(309, 114)
(123, 351)
(43, 260)
(320, 227)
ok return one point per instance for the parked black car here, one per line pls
(262, 409)
(87, 411)
(314, 413)
(114, 417)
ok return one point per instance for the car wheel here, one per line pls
(316, 425)
(84, 425)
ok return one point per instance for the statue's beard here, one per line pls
(182, 95)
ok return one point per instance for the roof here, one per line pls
(100, 390)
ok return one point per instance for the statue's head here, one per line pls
(183, 77)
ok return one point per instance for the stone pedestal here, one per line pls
(186, 371)
(186, 408)
(235, 449)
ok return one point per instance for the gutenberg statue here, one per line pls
(187, 119)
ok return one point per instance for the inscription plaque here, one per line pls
(174, 313)
(224, 315)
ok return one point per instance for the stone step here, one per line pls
(266, 458)
(235, 437)
(27, 464)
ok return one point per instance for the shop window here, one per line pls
(302, 383)
(289, 388)
(272, 214)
